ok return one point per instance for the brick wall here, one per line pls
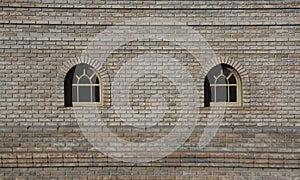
(41, 40)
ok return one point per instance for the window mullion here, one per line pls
(100, 94)
(228, 93)
(91, 91)
(77, 89)
(215, 93)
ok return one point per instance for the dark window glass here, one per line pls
(95, 94)
(68, 87)
(233, 94)
(207, 92)
(226, 72)
(232, 80)
(95, 80)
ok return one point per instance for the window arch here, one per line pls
(83, 86)
(222, 87)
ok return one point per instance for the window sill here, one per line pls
(225, 104)
(85, 104)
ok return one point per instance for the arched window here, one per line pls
(222, 87)
(83, 86)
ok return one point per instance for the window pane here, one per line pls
(95, 94)
(89, 72)
(221, 80)
(215, 71)
(233, 94)
(74, 94)
(95, 80)
(232, 80)
(226, 72)
(210, 79)
(84, 94)
(79, 69)
(84, 80)
(212, 89)
(207, 92)
(221, 94)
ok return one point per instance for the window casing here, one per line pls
(223, 87)
(83, 86)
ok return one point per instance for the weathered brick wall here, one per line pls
(41, 40)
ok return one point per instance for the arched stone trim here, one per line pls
(87, 60)
(245, 80)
